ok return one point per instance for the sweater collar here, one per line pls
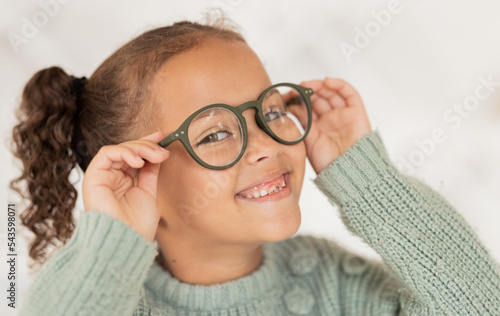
(249, 288)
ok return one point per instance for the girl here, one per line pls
(195, 217)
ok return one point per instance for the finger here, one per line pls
(154, 137)
(150, 140)
(124, 167)
(147, 178)
(315, 114)
(345, 90)
(147, 149)
(131, 172)
(289, 96)
(313, 135)
(335, 100)
(326, 99)
(300, 112)
(312, 84)
(320, 104)
(115, 156)
(131, 153)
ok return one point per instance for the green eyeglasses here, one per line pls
(216, 135)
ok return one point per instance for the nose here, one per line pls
(260, 146)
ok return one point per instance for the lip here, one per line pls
(270, 177)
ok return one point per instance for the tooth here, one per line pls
(249, 196)
(256, 194)
(263, 192)
(273, 188)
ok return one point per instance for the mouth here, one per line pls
(271, 188)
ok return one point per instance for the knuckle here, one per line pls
(106, 148)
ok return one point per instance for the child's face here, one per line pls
(199, 204)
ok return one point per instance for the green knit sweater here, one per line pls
(434, 264)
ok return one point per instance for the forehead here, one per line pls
(214, 71)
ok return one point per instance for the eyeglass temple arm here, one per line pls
(167, 140)
(170, 138)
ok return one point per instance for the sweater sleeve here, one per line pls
(100, 271)
(426, 245)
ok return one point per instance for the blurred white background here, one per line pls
(413, 62)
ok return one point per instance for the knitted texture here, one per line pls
(434, 264)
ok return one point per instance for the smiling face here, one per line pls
(206, 207)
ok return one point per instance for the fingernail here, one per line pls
(161, 150)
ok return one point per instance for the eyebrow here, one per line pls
(272, 92)
(205, 114)
(267, 96)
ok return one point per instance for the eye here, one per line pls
(273, 114)
(214, 137)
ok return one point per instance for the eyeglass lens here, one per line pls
(216, 135)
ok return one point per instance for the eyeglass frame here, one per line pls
(182, 132)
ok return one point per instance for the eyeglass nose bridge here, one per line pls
(249, 105)
(256, 104)
(181, 133)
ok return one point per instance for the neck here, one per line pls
(209, 262)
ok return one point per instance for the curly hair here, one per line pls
(51, 138)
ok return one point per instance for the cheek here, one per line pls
(301, 148)
(297, 154)
(187, 190)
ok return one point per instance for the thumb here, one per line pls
(147, 177)
(311, 139)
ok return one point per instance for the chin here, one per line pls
(281, 228)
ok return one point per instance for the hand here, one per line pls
(339, 120)
(120, 183)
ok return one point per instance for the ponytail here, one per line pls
(42, 141)
(59, 128)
